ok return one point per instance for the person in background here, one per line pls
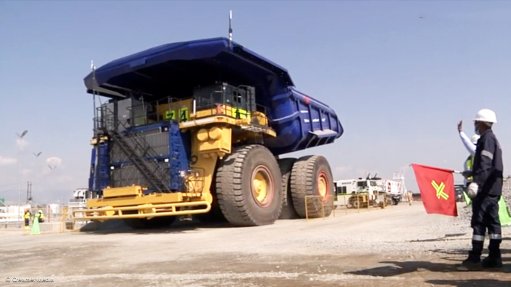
(40, 216)
(409, 197)
(485, 191)
(470, 145)
(26, 216)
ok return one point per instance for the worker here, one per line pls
(26, 216)
(485, 191)
(39, 216)
(409, 197)
(470, 145)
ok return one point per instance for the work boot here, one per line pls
(494, 259)
(492, 262)
(473, 260)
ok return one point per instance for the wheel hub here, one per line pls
(262, 186)
(323, 186)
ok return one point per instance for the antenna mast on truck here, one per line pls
(230, 28)
(93, 69)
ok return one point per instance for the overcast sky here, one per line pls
(400, 74)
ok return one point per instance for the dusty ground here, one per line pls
(396, 246)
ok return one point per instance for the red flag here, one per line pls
(437, 189)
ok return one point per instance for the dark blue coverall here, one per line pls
(488, 174)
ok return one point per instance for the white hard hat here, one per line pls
(475, 138)
(486, 115)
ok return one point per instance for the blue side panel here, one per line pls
(301, 122)
(92, 169)
(102, 176)
(179, 161)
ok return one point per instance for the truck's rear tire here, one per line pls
(155, 222)
(248, 187)
(288, 210)
(311, 178)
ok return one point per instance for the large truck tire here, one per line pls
(311, 178)
(153, 223)
(288, 210)
(248, 187)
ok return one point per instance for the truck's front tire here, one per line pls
(311, 182)
(248, 187)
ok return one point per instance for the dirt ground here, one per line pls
(396, 246)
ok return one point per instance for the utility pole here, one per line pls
(29, 192)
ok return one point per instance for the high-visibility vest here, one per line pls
(469, 163)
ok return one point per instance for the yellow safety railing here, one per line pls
(313, 197)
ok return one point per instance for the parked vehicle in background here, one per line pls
(374, 189)
(458, 190)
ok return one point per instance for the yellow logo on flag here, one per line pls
(440, 190)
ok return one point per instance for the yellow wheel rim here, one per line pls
(262, 186)
(323, 186)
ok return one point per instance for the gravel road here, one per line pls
(396, 246)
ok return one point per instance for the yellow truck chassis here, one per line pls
(130, 202)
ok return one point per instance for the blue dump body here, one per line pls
(176, 69)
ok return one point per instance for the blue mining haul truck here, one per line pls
(197, 128)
